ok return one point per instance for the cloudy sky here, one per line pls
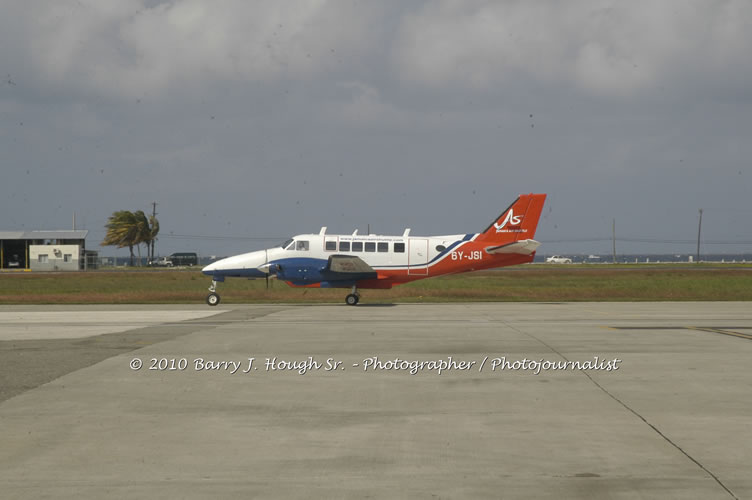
(247, 119)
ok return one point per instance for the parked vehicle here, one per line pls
(558, 259)
(163, 262)
(184, 259)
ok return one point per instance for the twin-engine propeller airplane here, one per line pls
(370, 261)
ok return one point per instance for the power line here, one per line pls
(207, 237)
(229, 238)
(563, 240)
(650, 240)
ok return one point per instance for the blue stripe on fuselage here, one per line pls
(292, 262)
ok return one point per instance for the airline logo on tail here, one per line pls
(510, 218)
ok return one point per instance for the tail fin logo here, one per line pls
(513, 220)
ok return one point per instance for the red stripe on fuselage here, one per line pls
(470, 256)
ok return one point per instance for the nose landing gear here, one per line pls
(213, 298)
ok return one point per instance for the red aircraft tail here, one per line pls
(518, 222)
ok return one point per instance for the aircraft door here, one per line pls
(417, 257)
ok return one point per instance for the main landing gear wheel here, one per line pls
(354, 296)
(212, 299)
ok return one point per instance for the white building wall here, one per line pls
(54, 257)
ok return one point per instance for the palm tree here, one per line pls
(125, 228)
(143, 232)
(122, 231)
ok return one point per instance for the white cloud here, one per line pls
(132, 47)
(128, 48)
(606, 47)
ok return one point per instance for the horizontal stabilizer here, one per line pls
(522, 247)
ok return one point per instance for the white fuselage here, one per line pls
(412, 253)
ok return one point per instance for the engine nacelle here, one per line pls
(299, 271)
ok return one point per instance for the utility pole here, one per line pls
(154, 215)
(699, 230)
(613, 237)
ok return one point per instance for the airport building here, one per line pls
(44, 250)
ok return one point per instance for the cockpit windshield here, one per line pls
(287, 243)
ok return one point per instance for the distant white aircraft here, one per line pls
(371, 261)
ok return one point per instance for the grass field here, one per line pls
(524, 283)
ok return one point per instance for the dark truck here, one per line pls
(184, 259)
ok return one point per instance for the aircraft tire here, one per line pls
(352, 299)
(212, 299)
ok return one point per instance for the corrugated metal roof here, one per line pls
(44, 235)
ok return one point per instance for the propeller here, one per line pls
(269, 270)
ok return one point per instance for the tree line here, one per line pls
(129, 229)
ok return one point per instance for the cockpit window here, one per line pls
(302, 245)
(287, 244)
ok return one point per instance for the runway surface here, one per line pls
(512, 400)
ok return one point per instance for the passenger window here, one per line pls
(440, 248)
(331, 246)
(383, 246)
(399, 248)
(344, 246)
(302, 245)
(370, 246)
(357, 246)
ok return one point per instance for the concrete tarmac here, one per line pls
(142, 401)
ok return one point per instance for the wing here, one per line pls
(348, 268)
(523, 247)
